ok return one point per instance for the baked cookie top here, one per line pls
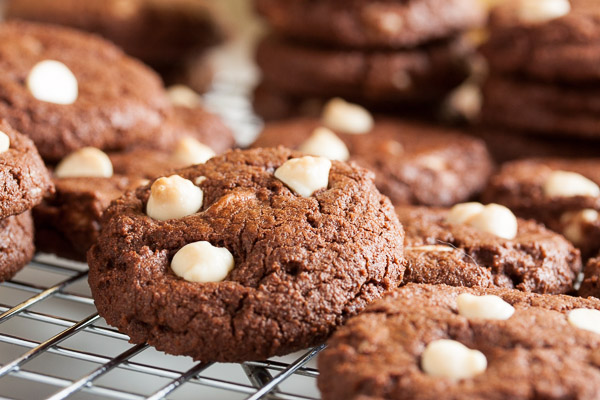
(23, 176)
(293, 246)
(66, 90)
(372, 24)
(414, 163)
(441, 249)
(436, 341)
(545, 39)
(563, 194)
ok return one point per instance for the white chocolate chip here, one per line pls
(568, 184)
(451, 359)
(434, 163)
(173, 197)
(189, 151)
(585, 318)
(431, 248)
(461, 213)
(484, 307)
(85, 162)
(53, 82)
(202, 262)
(323, 142)
(345, 117)
(181, 95)
(574, 221)
(4, 142)
(539, 11)
(198, 181)
(305, 175)
(466, 100)
(497, 220)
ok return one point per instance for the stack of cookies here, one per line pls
(541, 96)
(383, 54)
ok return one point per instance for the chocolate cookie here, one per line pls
(360, 23)
(541, 189)
(159, 32)
(563, 49)
(66, 90)
(414, 163)
(544, 109)
(437, 342)
(291, 267)
(23, 175)
(441, 252)
(16, 244)
(414, 75)
(591, 281)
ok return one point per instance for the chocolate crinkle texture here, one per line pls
(16, 242)
(24, 179)
(535, 354)
(302, 265)
(121, 103)
(536, 260)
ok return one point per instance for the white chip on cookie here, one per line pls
(85, 162)
(202, 262)
(451, 359)
(574, 223)
(345, 117)
(461, 213)
(585, 318)
(4, 142)
(569, 184)
(189, 151)
(183, 96)
(492, 218)
(539, 11)
(484, 307)
(324, 143)
(305, 175)
(53, 82)
(173, 197)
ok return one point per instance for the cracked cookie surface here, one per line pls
(303, 265)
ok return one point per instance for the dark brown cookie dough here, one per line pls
(24, 179)
(121, 103)
(414, 163)
(422, 75)
(536, 260)
(302, 265)
(544, 109)
(519, 185)
(564, 49)
(16, 244)
(534, 354)
(360, 23)
(159, 32)
(591, 281)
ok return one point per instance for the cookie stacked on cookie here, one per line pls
(542, 90)
(24, 180)
(376, 53)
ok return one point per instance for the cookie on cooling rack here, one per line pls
(16, 241)
(563, 194)
(476, 245)
(440, 342)
(414, 163)
(253, 254)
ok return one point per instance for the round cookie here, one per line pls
(16, 242)
(523, 186)
(422, 75)
(540, 351)
(541, 108)
(414, 163)
(120, 102)
(440, 252)
(302, 265)
(563, 49)
(591, 280)
(369, 24)
(23, 175)
(159, 32)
